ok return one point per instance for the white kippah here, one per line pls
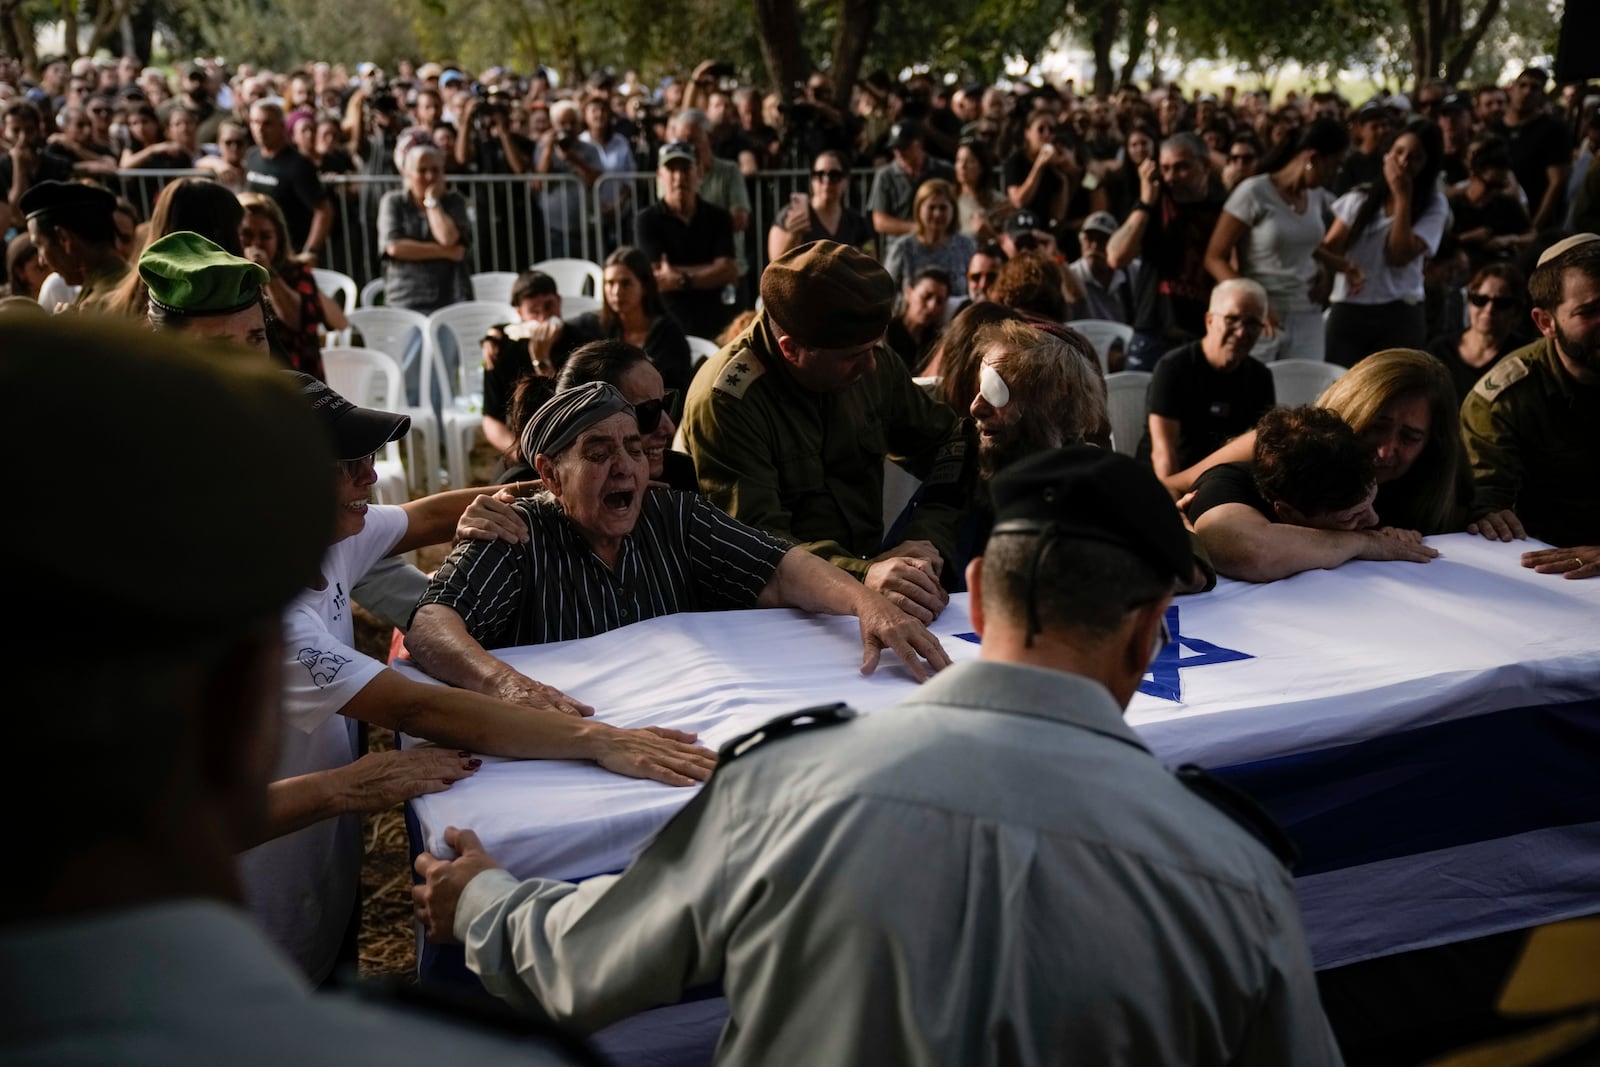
(1566, 244)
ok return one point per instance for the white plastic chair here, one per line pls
(1126, 404)
(336, 284)
(573, 306)
(466, 322)
(1100, 333)
(493, 286)
(700, 350)
(372, 294)
(399, 334)
(571, 274)
(371, 379)
(1301, 381)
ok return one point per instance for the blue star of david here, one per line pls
(1163, 681)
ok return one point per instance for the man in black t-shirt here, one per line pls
(1168, 231)
(274, 167)
(1541, 148)
(1304, 502)
(30, 161)
(1209, 391)
(690, 242)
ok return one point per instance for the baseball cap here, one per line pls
(903, 134)
(675, 151)
(1100, 222)
(356, 432)
(1025, 221)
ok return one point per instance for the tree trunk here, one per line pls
(1460, 57)
(1138, 36)
(1104, 35)
(778, 32)
(857, 20)
(69, 28)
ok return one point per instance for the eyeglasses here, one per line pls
(355, 468)
(1501, 303)
(649, 412)
(1163, 639)
(829, 175)
(985, 276)
(1239, 322)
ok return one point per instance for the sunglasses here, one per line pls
(829, 175)
(985, 276)
(1501, 303)
(649, 412)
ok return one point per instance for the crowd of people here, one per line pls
(1442, 251)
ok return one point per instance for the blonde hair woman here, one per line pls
(934, 241)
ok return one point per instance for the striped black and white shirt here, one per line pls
(684, 555)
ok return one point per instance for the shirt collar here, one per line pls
(1036, 692)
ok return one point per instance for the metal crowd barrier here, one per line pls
(513, 224)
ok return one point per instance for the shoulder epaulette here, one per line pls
(1502, 376)
(1241, 809)
(815, 718)
(742, 368)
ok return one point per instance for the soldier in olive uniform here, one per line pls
(789, 426)
(1532, 424)
(71, 224)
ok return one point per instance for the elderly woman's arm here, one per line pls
(439, 642)
(810, 583)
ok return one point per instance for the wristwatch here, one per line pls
(1140, 206)
(684, 281)
(430, 201)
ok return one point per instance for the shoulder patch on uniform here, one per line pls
(742, 368)
(1242, 809)
(1502, 376)
(814, 718)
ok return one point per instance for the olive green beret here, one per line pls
(231, 505)
(828, 295)
(190, 275)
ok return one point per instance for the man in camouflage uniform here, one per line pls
(789, 426)
(1532, 424)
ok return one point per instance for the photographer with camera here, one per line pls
(561, 151)
(487, 144)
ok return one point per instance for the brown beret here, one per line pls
(828, 295)
(231, 501)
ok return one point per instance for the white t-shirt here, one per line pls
(1386, 283)
(1279, 240)
(302, 886)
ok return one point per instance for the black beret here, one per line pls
(828, 295)
(60, 202)
(1098, 495)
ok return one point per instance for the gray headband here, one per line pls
(567, 414)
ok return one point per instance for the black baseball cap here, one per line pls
(356, 432)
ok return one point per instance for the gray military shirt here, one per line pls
(995, 871)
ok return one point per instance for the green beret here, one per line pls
(234, 476)
(60, 203)
(1094, 494)
(828, 295)
(190, 275)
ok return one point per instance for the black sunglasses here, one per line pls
(1501, 303)
(982, 275)
(649, 412)
(829, 175)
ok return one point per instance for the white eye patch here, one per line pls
(992, 387)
